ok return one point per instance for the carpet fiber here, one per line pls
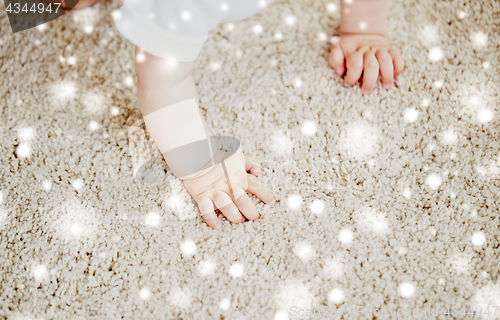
(387, 201)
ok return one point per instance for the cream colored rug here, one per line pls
(387, 203)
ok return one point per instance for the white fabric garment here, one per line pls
(177, 29)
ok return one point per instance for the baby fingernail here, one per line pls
(364, 91)
(387, 86)
(218, 226)
(272, 203)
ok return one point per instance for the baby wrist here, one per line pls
(364, 17)
(180, 134)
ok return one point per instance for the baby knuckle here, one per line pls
(371, 64)
(365, 48)
(355, 64)
(383, 59)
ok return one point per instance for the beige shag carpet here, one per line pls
(386, 202)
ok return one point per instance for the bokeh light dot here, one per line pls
(407, 193)
(436, 54)
(478, 239)
(322, 36)
(290, 20)
(410, 115)
(188, 247)
(23, 150)
(345, 236)
(336, 296)
(225, 304)
(47, 185)
(294, 201)
(309, 128)
(257, 29)
(484, 115)
(88, 29)
(406, 289)
(152, 219)
(145, 293)
(433, 181)
(236, 270)
(281, 315)
(186, 15)
(317, 206)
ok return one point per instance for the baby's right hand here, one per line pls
(363, 56)
(210, 187)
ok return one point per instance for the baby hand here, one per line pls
(210, 187)
(365, 54)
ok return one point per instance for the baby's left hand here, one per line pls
(365, 54)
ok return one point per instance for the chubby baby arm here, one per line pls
(169, 103)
